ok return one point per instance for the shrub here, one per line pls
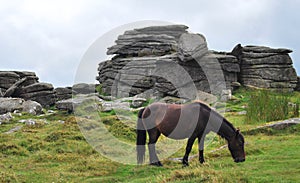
(265, 106)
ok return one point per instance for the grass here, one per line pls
(58, 152)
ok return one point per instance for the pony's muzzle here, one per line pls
(239, 160)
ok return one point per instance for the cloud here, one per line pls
(50, 37)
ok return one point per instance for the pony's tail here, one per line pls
(141, 138)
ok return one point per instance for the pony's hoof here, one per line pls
(185, 164)
(202, 161)
(158, 164)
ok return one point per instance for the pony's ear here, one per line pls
(238, 132)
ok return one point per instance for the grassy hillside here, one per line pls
(54, 150)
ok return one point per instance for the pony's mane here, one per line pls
(204, 105)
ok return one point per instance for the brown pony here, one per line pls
(190, 121)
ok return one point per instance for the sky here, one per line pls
(53, 37)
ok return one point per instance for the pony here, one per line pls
(180, 121)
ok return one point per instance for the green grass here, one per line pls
(58, 152)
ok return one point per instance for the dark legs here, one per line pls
(185, 160)
(153, 136)
(201, 149)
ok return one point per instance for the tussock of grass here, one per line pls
(265, 106)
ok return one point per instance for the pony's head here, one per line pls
(236, 147)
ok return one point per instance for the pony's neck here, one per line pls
(221, 126)
(226, 130)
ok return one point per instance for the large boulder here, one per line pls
(42, 93)
(18, 104)
(265, 67)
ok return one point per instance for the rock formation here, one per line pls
(168, 60)
(26, 85)
(265, 67)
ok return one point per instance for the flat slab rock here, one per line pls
(278, 125)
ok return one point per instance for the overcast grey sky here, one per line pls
(51, 36)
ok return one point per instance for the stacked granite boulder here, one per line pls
(63, 93)
(42, 93)
(9, 78)
(168, 60)
(26, 85)
(265, 67)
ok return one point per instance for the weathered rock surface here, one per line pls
(265, 67)
(18, 104)
(25, 85)
(63, 93)
(298, 84)
(155, 40)
(167, 60)
(83, 88)
(42, 93)
(32, 107)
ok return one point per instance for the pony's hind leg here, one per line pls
(154, 133)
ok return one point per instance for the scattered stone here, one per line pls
(61, 121)
(4, 118)
(79, 100)
(138, 102)
(115, 105)
(28, 122)
(15, 129)
(242, 113)
(226, 95)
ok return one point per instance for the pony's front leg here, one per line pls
(185, 160)
(201, 149)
